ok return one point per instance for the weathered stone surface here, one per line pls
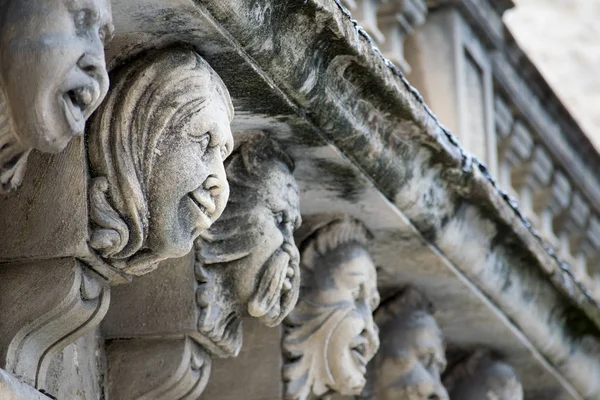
(43, 320)
(156, 149)
(13, 389)
(156, 369)
(330, 336)
(78, 371)
(411, 358)
(252, 375)
(483, 377)
(52, 76)
(248, 262)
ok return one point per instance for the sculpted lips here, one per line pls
(204, 202)
(359, 350)
(77, 103)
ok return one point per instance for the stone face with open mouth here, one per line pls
(159, 142)
(52, 78)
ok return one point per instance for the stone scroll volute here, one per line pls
(156, 149)
(247, 263)
(330, 335)
(52, 76)
(412, 357)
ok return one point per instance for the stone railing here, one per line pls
(547, 163)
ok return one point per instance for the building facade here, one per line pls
(280, 199)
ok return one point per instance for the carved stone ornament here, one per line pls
(330, 335)
(483, 377)
(52, 76)
(179, 369)
(13, 389)
(412, 354)
(35, 331)
(247, 262)
(156, 150)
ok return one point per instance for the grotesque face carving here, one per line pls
(411, 358)
(252, 246)
(330, 335)
(482, 377)
(52, 69)
(156, 151)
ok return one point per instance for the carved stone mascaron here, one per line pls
(411, 358)
(330, 336)
(52, 76)
(156, 150)
(247, 263)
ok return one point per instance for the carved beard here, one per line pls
(220, 320)
(272, 301)
(13, 155)
(306, 368)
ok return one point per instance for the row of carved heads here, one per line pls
(157, 149)
(338, 340)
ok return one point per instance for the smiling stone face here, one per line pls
(52, 67)
(330, 335)
(157, 148)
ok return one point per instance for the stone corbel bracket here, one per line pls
(45, 321)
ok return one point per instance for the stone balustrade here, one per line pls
(559, 210)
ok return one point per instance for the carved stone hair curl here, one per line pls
(150, 97)
(407, 301)
(326, 237)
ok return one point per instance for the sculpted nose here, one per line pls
(92, 64)
(214, 185)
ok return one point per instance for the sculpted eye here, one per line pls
(356, 293)
(83, 19)
(279, 218)
(427, 360)
(106, 33)
(203, 140)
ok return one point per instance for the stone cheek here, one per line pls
(330, 336)
(51, 78)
